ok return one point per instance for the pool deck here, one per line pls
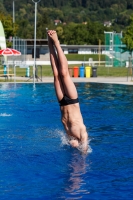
(108, 80)
(113, 80)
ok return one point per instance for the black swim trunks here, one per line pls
(67, 101)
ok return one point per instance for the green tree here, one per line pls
(96, 32)
(69, 37)
(2, 8)
(128, 37)
(59, 31)
(75, 34)
(9, 28)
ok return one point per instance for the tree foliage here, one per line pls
(73, 13)
(82, 9)
(82, 34)
(9, 28)
(128, 37)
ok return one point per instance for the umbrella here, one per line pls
(10, 52)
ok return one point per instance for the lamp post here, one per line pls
(34, 66)
(13, 17)
(13, 12)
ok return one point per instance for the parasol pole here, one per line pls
(14, 70)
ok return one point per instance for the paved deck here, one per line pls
(110, 80)
(113, 80)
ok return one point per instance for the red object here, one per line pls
(9, 52)
(76, 71)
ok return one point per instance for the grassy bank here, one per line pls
(46, 71)
(84, 57)
(101, 70)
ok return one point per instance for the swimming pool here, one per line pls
(37, 164)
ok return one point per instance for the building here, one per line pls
(26, 47)
(57, 21)
(107, 23)
(42, 48)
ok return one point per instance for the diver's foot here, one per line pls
(53, 35)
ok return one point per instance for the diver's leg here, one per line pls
(55, 65)
(68, 85)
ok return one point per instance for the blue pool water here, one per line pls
(35, 162)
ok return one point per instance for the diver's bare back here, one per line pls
(73, 122)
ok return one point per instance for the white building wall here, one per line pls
(65, 51)
(84, 51)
